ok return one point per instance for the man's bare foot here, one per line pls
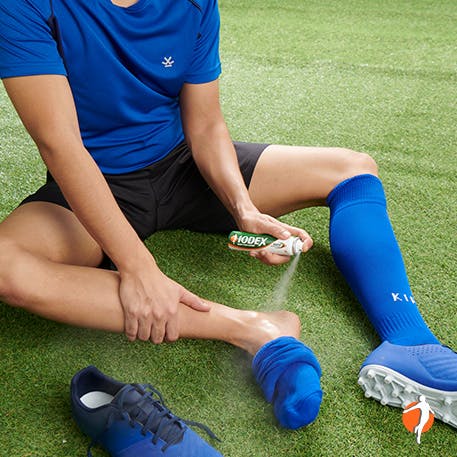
(262, 327)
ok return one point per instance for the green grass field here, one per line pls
(376, 76)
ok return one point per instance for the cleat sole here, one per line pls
(393, 389)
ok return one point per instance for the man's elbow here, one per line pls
(56, 141)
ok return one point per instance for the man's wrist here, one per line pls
(242, 211)
(132, 260)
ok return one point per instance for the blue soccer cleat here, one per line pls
(397, 375)
(131, 420)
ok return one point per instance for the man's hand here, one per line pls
(255, 222)
(150, 301)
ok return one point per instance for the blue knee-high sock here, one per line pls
(365, 250)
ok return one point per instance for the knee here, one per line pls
(354, 163)
(10, 289)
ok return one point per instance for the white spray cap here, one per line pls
(297, 246)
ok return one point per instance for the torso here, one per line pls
(126, 62)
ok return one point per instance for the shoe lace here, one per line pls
(160, 421)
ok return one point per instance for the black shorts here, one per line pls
(169, 194)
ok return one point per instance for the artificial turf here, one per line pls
(376, 76)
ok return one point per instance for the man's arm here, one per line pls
(213, 151)
(150, 299)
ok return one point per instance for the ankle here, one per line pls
(259, 328)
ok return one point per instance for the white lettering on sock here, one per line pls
(407, 298)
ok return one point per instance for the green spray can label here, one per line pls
(244, 241)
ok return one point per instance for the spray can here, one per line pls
(244, 241)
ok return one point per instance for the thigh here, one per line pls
(50, 231)
(288, 178)
(132, 192)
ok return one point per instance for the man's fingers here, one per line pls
(158, 332)
(172, 330)
(295, 231)
(269, 258)
(131, 328)
(283, 231)
(144, 329)
(276, 229)
(194, 301)
(307, 243)
(302, 234)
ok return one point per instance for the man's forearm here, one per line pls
(45, 105)
(88, 194)
(216, 159)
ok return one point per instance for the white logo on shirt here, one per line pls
(168, 62)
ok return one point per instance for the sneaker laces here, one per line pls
(150, 411)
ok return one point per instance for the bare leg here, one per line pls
(36, 274)
(48, 258)
(288, 178)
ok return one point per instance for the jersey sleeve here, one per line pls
(206, 64)
(27, 46)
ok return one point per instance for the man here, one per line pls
(121, 98)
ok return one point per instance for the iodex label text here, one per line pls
(254, 241)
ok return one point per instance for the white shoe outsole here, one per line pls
(391, 388)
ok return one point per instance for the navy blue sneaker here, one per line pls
(131, 420)
(397, 375)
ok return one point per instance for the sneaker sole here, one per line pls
(391, 388)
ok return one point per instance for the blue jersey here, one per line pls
(125, 66)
